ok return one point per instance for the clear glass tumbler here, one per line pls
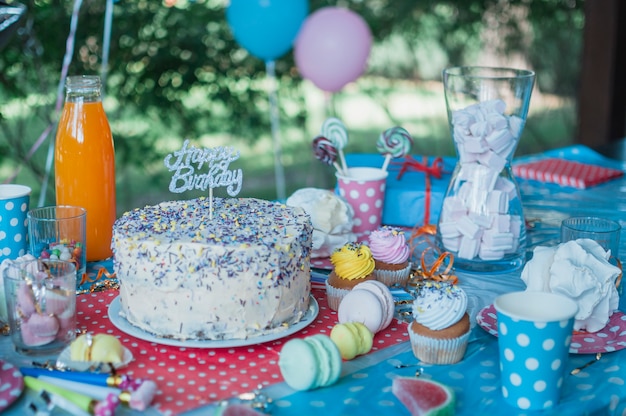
(481, 222)
(41, 304)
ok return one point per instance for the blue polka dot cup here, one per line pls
(534, 334)
(14, 201)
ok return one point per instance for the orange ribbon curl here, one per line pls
(100, 283)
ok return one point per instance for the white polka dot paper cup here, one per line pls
(534, 334)
(364, 189)
(14, 202)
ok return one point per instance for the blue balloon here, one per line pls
(266, 28)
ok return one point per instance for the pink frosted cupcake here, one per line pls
(391, 254)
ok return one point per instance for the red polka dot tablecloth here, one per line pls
(188, 378)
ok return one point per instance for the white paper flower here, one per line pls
(331, 216)
(580, 270)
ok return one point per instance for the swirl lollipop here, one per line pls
(394, 142)
(336, 132)
(326, 152)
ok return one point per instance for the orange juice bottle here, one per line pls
(84, 162)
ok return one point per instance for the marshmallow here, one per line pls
(486, 253)
(497, 121)
(492, 160)
(453, 208)
(483, 221)
(501, 223)
(515, 126)
(468, 228)
(475, 145)
(448, 230)
(508, 187)
(499, 140)
(497, 202)
(468, 248)
(480, 129)
(497, 241)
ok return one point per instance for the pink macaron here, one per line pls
(370, 303)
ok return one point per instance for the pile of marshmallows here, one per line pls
(475, 218)
(316, 361)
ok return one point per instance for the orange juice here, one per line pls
(84, 164)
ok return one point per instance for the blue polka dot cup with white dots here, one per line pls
(14, 202)
(534, 334)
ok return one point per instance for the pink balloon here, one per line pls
(332, 48)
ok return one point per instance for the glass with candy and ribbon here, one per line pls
(481, 221)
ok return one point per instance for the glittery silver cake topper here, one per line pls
(188, 162)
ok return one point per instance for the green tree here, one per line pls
(176, 72)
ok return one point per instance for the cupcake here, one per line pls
(391, 255)
(352, 264)
(440, 329)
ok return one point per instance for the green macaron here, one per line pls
(309, 363)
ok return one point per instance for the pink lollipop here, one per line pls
(394, 142)
(326, 152)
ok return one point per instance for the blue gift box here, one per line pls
(405, 194)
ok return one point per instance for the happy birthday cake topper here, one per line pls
(188, 162)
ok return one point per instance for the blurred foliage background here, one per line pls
(175, 72)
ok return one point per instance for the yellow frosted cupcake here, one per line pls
(352, 264)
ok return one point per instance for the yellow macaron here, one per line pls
(352, 339)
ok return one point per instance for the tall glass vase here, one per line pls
(481, 222)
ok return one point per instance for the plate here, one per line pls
(11, 386)
(123, 325)
(65, 361)
(610, 338)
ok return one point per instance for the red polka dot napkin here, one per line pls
(188, 378)
(566, 172)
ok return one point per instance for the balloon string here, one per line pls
(67, 59)
(106, 42)
(279, 172)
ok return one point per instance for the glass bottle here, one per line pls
(482, 221)
(84, 162)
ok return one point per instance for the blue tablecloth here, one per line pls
(600, 389)
(365, 385)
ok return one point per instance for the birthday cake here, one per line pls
(213, 268)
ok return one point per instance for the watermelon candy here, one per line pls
(423, 397)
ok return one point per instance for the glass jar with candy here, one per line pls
(481, 221)
(58, 233)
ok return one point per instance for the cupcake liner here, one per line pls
(392, 277)
(438, 350)
(334, 296)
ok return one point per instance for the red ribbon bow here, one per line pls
(410, 164)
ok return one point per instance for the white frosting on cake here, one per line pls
(580, 270)
(183, 275)
(331, 216)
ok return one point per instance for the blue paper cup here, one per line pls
(14, 201)
(534, 334)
